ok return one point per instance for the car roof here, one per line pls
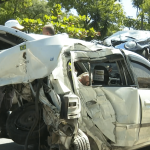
(23, 35)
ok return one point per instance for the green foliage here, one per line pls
(34, 14)
(132, 23)
(137, 3)
(72, 25)
(105, 16)
(11, 9)
(64, 25)
(2, 1)
(37, 10)
(32, 9)
(143, 13)
(146, 9)
(31, 25)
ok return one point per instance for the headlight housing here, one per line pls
(130, 45)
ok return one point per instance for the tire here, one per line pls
(80, 142)
(19, 123)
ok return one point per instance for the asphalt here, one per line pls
(7, 144)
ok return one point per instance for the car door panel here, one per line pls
(125, 102)
(141, 71)
(101, 103)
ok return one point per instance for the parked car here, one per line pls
(137, 41)
(58, 110)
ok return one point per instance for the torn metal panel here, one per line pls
(99, 110)
(36, 61)
(87, 125)
(143, 135)
(125, 136)
(145, 102)
(14, 70)
(60, 88)
(80, 55)
(125, 101)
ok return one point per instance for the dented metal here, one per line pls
(114, 115)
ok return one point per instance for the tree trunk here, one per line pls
(142, 18)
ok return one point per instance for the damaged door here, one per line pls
(141, 71)
(123, 96)
(111, 101)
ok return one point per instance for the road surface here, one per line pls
(7, 144)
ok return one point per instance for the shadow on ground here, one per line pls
(11, 146)
(7, 144)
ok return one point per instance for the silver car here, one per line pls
(137, 41)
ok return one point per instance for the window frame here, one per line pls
(8, 38)
(122, 69)
(144, 66)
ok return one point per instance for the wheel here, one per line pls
(20, 122)
(80, 142)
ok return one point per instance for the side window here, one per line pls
(142, 72)
(8, 40)
(125, 74)
(105, 73)
(110, 73)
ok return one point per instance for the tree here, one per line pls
(34, 14)
(12, 9)
(143, 13)
(98, 16)
(146, 10)
(36, 10)
(132, 23)
(2, 1)
(138, 5)
(32, 9)
(73, 25)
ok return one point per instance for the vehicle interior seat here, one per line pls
(100, 75)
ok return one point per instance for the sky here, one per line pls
(127, 6)
(129, 10)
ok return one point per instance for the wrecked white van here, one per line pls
(111, 112)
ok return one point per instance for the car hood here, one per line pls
(36, 59)
(127, 35)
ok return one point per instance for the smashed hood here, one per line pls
(36, 59)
